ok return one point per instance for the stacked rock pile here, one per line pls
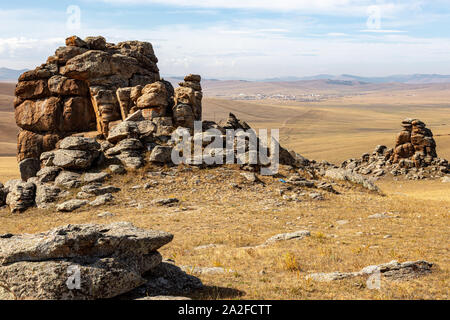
(414, 156)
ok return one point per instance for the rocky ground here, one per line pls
(249, 236)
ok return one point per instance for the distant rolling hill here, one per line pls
(10, 74)
(410, 79)
(8, 128)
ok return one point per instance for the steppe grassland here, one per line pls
(212, 211)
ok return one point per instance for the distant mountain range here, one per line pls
(10, 74)
(7, 74)
(410, 78)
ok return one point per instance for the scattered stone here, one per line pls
(117, 169)
(101, 200)
(105, 214)
(166, 202)
(95, 177)
(250, 176)
(71, 205)
(342, 222)
(300, 181)
(205, 270)
(208, 246)
(98, 189)
(74, 159)
(289, 236)
(392, 271)
(79, 143)
(84, 195)
(348, 175)
(380, 215)
(315, 196)
(445, 179)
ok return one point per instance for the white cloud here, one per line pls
(349, 7)
(253, 48)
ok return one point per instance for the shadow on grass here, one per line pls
(216, 293)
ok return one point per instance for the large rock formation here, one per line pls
(76, 90)
(109, 260)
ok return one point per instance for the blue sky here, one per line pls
(247, 39)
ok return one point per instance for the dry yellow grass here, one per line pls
(212, 211)
(8, 169)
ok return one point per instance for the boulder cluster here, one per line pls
(77, 90)
(414, 156)
(88, 261)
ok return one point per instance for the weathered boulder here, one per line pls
(46, 194)
(68, 179)
(108, 259)
(73, 159)
(71, 205)
(98, 189)
(21, 195)
(161, 154)
(95, 177)
(28, 168)
(79, 143)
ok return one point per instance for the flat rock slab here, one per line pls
(289, 236)
(71, 205)
(392, 270)
(95, 177)
(109, 259)
(205, 270)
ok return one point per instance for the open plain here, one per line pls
(222, 219)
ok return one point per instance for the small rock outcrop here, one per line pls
(415, 142)
(391, 271)
(109, 260)
(414, 156)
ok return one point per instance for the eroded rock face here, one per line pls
(110, 260)
(21, 195)
(188, 102)
(75, 90)
(415, 142)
